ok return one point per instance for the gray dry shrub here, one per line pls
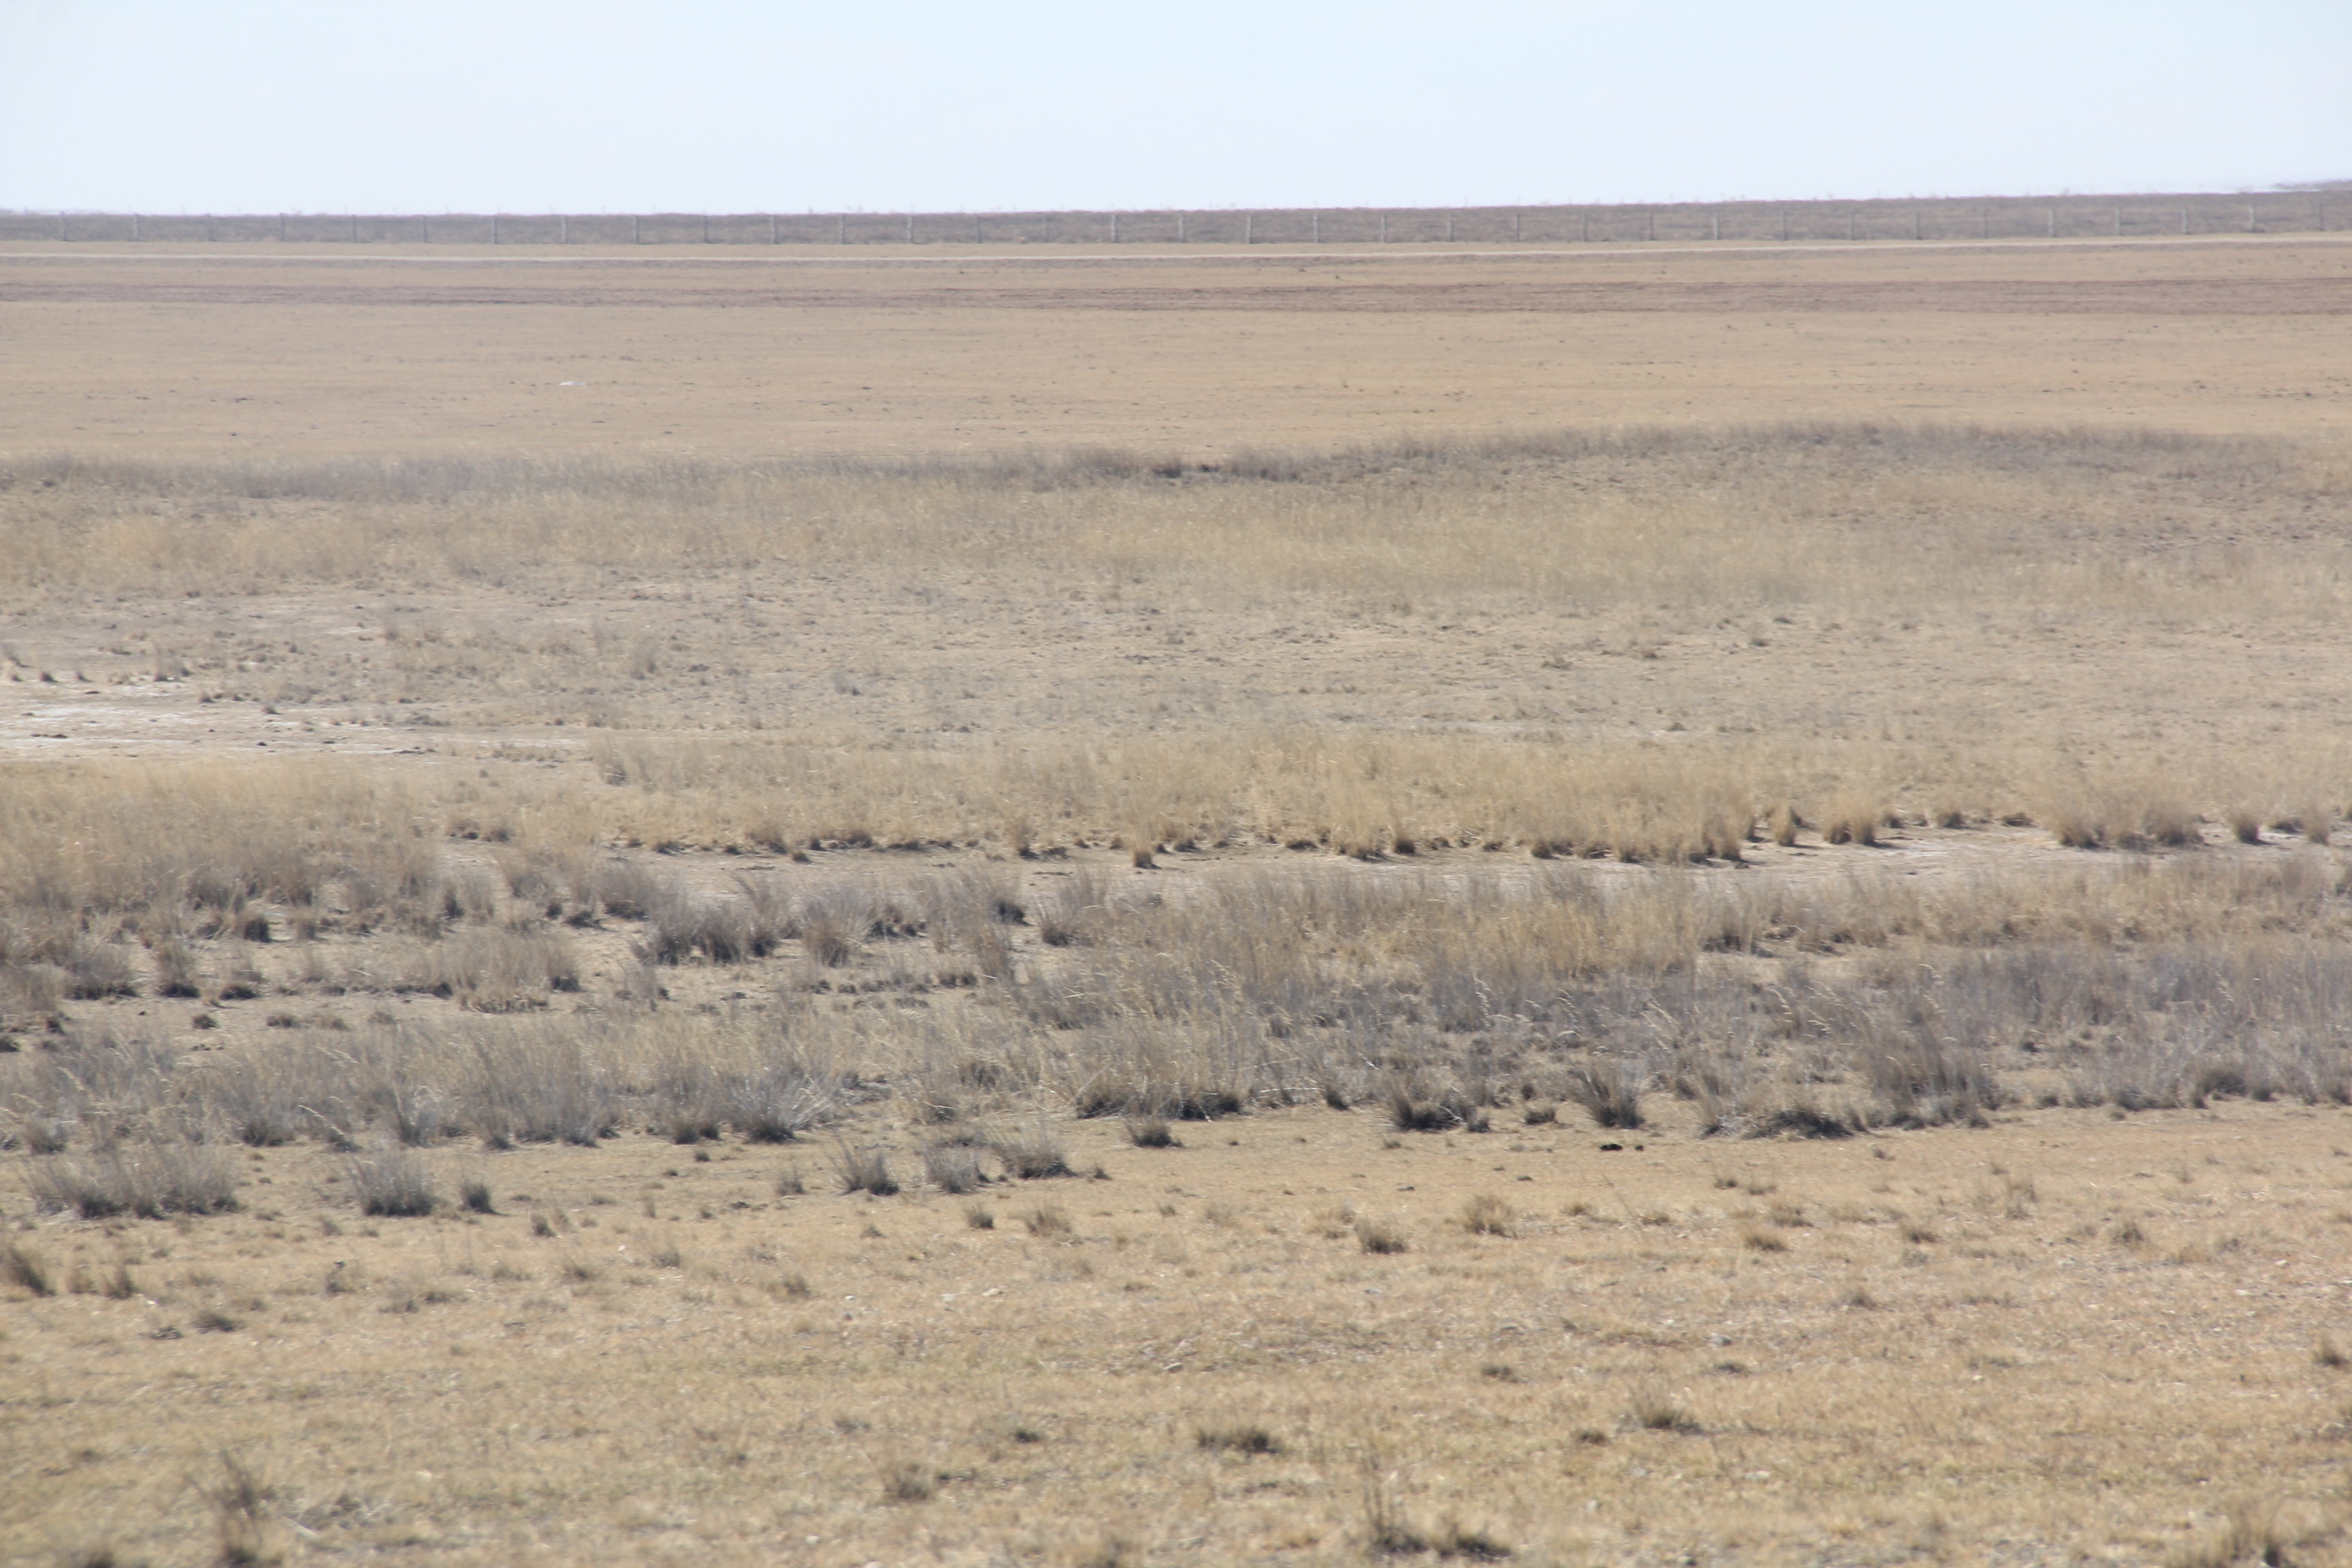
(864, 1170)
(953, 1167)
(393, 1181)
(1610, 1092)
(777, 1093)
(533, 1083)
(1032, 1153)
(150, 1179)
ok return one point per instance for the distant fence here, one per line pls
(2061, 217)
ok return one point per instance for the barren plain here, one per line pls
(1626, 905)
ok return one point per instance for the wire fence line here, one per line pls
(2010, 217)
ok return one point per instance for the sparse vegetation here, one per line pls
(392, 1180)
(1629, 826)
(864, 1170)
(1242, 1437)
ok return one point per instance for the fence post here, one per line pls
(1384, 228)
(1180, 228)
(1114, 228)
(1315, 226)
(1654, 223)
(2120, 223)
(1584, 227)
(2184, 220)
(705, 229)
(976, 230)
(2053, 223)
(1986, 218)
(355, 227)
(1249, 226)
(1849, 226)
(2250, 217)
(563, 228)
(494, 228)
(134, 225)
(1449, 231)
(1916, 233)
(61, 226)
(1515, 228)
(1715, 225)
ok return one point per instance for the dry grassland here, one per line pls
(1746, 990)
(269, 354)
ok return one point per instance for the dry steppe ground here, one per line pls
(1678, 906)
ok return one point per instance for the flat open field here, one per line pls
(1680, 907)
(751, 353)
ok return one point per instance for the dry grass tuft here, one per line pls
(26, 1269)
(393, 1182)
(953, 1168)
(1380, 1237)
(1032, 1153)
(2250, 1534)
(153, 1181)
(1241, 1437)
(247, 1525)
(1151, 1133)
(1610, 1092)
(1654, 1409)
(905, 1481)
(863, 1170)
(1487, 1215)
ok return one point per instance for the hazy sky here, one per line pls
(728, 105)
